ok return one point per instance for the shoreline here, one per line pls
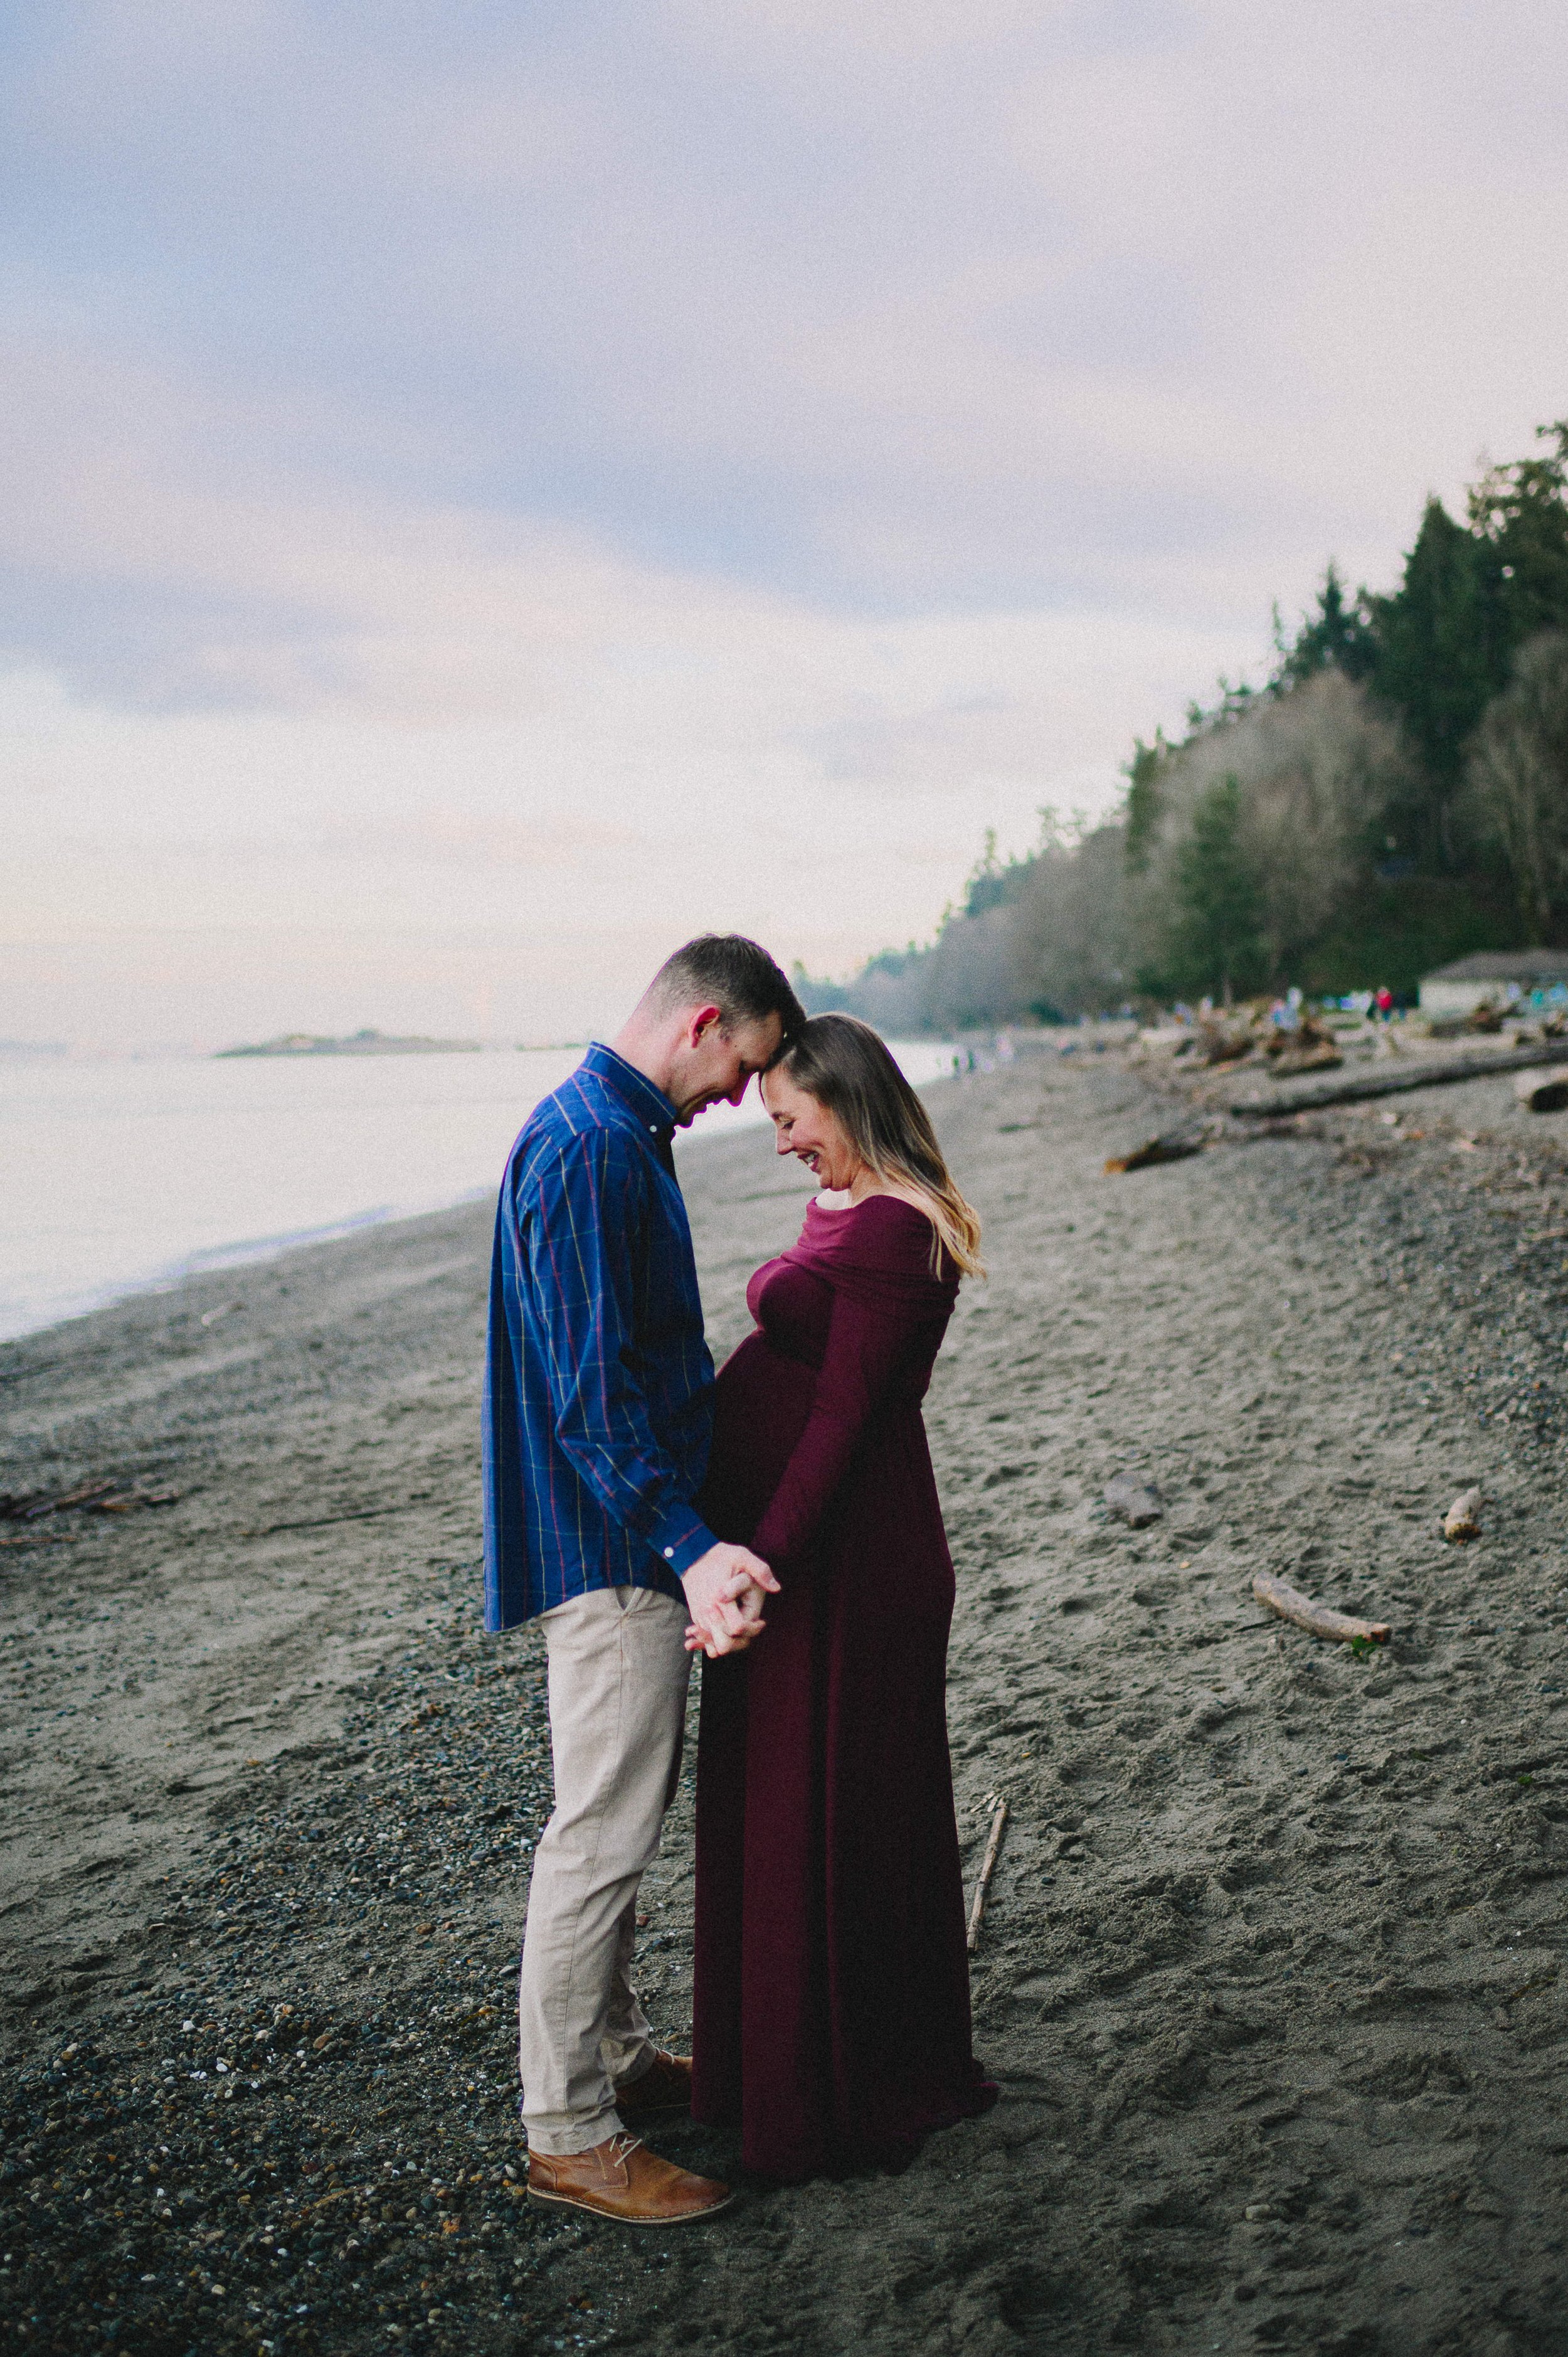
(223, 1259)
(183, 1267)
(1268, 1971)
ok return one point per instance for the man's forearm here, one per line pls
(640, 1491)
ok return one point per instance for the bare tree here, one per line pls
(1519, 777)
(1316, 769)
(1070, 935)
(969, 981)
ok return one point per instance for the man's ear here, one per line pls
(700, 1021)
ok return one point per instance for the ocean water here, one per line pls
(118, 1175)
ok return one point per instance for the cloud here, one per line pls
(292, 597)
(994, 307)
(930, 305)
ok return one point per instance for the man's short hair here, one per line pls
(734, 974)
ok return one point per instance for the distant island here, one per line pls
(357, 1043)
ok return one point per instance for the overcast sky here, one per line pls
(485, 491)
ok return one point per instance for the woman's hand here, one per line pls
(702, 1640)
(724, 1589)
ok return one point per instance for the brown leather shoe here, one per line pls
(621, 2179)
(664, 2086)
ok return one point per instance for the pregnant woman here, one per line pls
(832, 2004)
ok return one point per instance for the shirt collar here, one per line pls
(651, 1106)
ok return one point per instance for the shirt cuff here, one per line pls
(679, 1538)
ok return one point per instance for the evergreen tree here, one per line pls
(987, 884)
(1433, 665)
(1519, 518)
(1218, 940)
(1143, 776)
(1446, 640)
(1338, 635)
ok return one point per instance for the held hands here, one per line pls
(724, 1589)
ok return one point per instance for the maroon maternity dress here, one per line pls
(832, 2023)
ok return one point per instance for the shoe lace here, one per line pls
(622, 2146)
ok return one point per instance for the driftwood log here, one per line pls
(988, 1867)
(1391, 1085)
(1317, 1619)
(1305, 1059)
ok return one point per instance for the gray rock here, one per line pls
(1134, 1502)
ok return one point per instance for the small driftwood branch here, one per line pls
(1176, 1146)
(1391, 1085)
(321, 1521)
(91, 1498)
(30, 1510)
(1462, 1523)
(977, 1905)
(1317, 1619)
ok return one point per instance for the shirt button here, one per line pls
(669, 1553)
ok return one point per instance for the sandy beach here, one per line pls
(1270, 1976)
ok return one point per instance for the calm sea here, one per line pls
(115, 1177)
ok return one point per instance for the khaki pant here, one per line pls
(619, 1671)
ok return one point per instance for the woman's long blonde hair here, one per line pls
(843, 1064)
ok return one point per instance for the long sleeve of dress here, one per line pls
(869, 1349)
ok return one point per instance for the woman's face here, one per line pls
(807, 1129)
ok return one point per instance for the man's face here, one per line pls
(714, 1066)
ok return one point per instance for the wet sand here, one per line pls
(1270, 1973)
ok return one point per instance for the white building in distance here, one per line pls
(1503, 976)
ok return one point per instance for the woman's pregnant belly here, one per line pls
(761, 1401)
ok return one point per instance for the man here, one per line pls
(598, 1418)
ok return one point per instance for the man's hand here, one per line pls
(723, 1591)
(703, 1641)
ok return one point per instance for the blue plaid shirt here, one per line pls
(598, 1385)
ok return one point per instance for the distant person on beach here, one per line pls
(832, 2003)
(598, 1410)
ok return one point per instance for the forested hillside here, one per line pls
(1395, 795)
